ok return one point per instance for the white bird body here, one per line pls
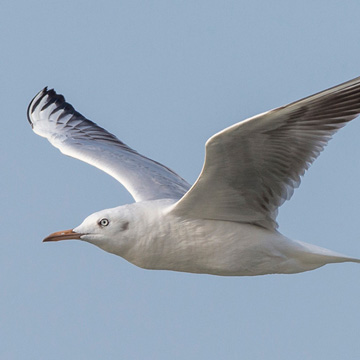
(157, 239)
(225, 224)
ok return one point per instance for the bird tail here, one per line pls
(317, 256)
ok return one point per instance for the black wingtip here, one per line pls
(51, 98)
(33, 105)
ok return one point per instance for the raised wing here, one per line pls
(252, 167)
(53, 118)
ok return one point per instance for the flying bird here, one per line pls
(225, 223)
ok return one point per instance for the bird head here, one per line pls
(107, 229)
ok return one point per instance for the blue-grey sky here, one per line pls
(164, 76)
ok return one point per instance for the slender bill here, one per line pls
(63, 235)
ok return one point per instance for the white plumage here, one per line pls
(225, 224)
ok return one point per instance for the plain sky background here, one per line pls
(164, 76)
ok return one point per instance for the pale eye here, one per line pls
(104, 222)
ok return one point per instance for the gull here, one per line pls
(225, 223)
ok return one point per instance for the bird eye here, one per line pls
(104, 222)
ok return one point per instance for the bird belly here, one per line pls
(220, 248)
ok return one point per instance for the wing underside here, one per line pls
(53, 118)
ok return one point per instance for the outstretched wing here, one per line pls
(252, 167)
(74, 135)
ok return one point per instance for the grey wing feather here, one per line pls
(53, 118)
(252, 167)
